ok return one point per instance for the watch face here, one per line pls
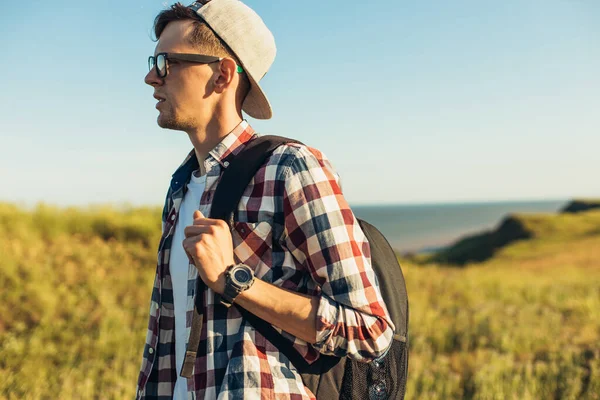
(241, 275)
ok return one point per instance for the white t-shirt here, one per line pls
(181, 271)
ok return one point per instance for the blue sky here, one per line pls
(428, 101)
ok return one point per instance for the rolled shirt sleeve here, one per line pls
(324, 236)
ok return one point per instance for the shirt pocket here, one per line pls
(253, 245)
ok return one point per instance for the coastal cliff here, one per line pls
(577, 219)
(576, 206)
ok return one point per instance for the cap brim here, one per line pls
(256, 103)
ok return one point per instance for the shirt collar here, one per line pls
(222, 153)
(232, 144)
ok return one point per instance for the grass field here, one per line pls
(76, 286)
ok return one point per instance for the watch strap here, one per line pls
(229, 294)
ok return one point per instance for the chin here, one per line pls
(170, 122)
(166, 121)
(162, 122)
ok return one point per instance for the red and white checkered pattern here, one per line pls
(296, 230)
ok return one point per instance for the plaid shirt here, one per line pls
(295, 229)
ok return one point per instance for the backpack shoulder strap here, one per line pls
(229, 192)
(239, 173)
(235, 179)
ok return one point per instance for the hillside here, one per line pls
(563, 226)
(76, 286)
(580, 205)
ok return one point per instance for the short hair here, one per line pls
(202, 36)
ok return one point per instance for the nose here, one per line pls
(152, 78)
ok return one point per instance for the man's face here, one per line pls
(183, 95)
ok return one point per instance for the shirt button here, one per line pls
(173, 217)
(151, 350)
(226, 164)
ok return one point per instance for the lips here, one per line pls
(160, 100)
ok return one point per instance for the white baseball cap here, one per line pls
(244, 31)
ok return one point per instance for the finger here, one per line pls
(195, 230)
(204, 221)
(193, 246)
(199, 218)
(190, 258)
(185, 244)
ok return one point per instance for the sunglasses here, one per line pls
(160, 61)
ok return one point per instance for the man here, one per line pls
(295, 240)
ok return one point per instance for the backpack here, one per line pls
(329, 377)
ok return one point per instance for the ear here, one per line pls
(226, 74)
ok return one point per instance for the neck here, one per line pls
(204, 138)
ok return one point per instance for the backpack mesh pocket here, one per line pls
(380, 379)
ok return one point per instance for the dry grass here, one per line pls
(76, 288)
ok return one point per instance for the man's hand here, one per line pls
(209, 246)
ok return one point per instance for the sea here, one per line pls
(422, 228)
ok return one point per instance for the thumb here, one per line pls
(198, 214)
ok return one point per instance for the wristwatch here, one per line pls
(237, 279)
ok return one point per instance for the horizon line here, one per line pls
(126, 204)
